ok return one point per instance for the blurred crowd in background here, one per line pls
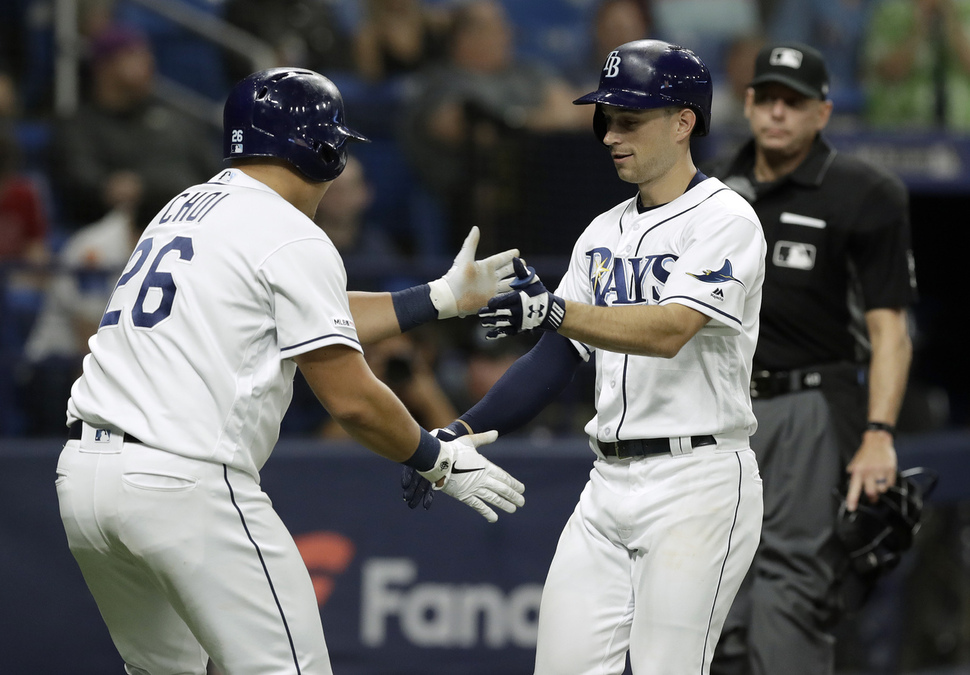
(469, 107)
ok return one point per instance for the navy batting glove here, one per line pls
(529, 306)
(418, 489)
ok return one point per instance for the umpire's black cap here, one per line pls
(794, 65)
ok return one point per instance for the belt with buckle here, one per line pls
(645, 447)
(771, 383)
(74, 434)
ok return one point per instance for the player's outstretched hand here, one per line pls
(417, 489)
(472, 479)
(529, 306)
(469, 283)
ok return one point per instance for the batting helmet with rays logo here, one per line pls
(646, 74)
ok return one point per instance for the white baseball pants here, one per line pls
(650, 562)
(187, 559)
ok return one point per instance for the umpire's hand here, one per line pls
(529, 306)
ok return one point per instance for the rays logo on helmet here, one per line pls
(612, 66)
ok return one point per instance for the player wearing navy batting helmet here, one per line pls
(229, 290)
(664, 289)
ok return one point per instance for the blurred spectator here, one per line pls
(917, 57)
(9, 106)
(461, 118)
(397, 37)
(123, 145)
(342, 215)
(89, 265)
(615, 22)
(405, 363)
(712, 25)
(304, 33)
(835, 28)
(23, 213)
(362, 244)
(727, 108)
(182, 56)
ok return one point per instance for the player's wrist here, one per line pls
(425, 456)
(443, 298)
(414, 306)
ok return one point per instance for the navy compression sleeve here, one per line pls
(528, 386)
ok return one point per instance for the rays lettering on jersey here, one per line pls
(192, 206)
(626, 281)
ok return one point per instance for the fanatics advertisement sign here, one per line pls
(400, 591)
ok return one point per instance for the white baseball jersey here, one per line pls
(650, 560)
(193, 355)
(704, 250)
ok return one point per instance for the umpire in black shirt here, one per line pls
(832, 360)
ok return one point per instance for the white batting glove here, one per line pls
(469, 283)
(472, 479)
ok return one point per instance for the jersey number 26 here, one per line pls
(163, 281)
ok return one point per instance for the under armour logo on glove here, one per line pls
(529, 306)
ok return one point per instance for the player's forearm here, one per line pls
(654, 330)
(374, 316)
(377, 420)
(892, 354)
(363, 405)
(383, 315)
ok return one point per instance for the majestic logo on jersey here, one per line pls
(794, 255)
(627, 281)
(612, 66)
(726, 273)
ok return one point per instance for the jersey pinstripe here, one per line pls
(704, 250)
(193, 355)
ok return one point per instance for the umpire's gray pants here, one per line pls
(777, 623)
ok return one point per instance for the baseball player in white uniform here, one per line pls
(665, 289)
(231, 288)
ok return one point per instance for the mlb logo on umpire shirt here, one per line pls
(795, 255)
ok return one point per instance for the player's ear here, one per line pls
(686, 121)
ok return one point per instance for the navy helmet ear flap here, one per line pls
(290, 113)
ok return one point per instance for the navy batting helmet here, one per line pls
(647, 74)
(290, 113)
